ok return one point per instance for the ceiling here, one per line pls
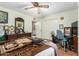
(54, 7)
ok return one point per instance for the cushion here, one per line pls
(10, 46)
(2, 49)
(37, 40)
(23, 40)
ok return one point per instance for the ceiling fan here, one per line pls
(36, 4)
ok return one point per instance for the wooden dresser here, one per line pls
(75, 40)
(15, 36)
(75, 35)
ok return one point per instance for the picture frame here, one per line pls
(3, 17)
(67, 31)
(61, 26)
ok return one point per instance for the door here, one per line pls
(38, 29)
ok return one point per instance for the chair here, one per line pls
(59, 37)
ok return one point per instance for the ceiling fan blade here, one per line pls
(35, 4)
(44, 6)
(28, 8)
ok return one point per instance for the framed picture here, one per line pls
(3, 17)
(61, 26)
(67, 31)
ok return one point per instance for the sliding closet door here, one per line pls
(36, 29)
(33, 28)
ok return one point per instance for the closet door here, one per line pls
(33, 28)
(38, 29)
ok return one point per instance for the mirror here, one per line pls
(19, 25)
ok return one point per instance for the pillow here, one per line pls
(2, 49)
(24, 40)
(9, 46)
(36, 40)
(20, 45)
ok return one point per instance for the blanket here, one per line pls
(28, 50)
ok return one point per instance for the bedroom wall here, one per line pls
(13, 14)
(51, 22)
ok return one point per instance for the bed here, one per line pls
(47, 52)
(25, 47)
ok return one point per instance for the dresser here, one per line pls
(15, 36)
(75, 40)
(75, 35)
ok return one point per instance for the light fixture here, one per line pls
(61, 18)
(38, 12)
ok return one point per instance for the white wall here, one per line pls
(13, 14)
(51, 22)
